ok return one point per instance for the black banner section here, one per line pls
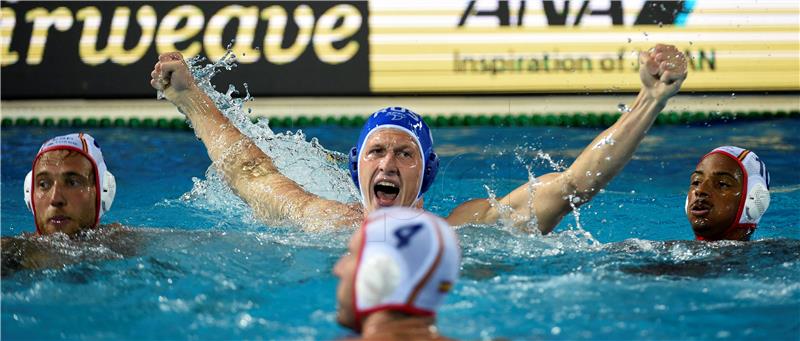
(107, 49)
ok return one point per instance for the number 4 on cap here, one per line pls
(405, 233)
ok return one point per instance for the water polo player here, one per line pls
(728, 194)
(399, 267)
(394, 162)
(69, 188)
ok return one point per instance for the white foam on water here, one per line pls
(524, 228)
(314, 168)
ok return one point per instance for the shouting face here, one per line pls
(389, 169)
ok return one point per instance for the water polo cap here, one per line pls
(85, 144)
(408, 261)
(755, 189)
(405, 120)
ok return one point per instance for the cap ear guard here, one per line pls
(26, 189)
(686, 204)
(431, 168)
(353, 156)
(756, 203)
(378, 277)
(108, 192)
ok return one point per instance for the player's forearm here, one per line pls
(232, 152)
(209, 124)
(610, 151)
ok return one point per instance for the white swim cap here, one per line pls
(409, 260)
(85, 144)
(755, 191)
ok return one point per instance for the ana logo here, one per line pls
(560, 13)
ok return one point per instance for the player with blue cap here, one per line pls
(381, 188)
(394, 164)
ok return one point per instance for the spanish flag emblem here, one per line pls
(445, 286)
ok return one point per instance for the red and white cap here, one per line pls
(85, 144)
(755, 189)
(409, 260)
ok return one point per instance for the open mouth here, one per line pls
(386, 192)
(59, 220)
(700, 208)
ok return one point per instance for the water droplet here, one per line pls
(555, 330)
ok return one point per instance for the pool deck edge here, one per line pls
(324, 107)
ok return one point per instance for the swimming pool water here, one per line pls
(203, 268)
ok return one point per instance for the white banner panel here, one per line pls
(578, 46)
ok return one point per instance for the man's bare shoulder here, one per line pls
(30, 251)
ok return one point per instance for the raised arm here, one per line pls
(662, 71)
(247, 169)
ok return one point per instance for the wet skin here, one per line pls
(345, 269)
(389, 169)
(64, 192)
(715, 191)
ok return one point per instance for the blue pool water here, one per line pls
(202, 268)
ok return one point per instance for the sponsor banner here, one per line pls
(107, 49)
(578, 46)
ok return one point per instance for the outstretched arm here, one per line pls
(662, 71)
(246, 168)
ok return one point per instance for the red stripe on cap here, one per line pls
(433, 267)
(98, 200)
(405, 308)
(742, 199)
(359, 315)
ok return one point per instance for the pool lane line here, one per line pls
(563, 119)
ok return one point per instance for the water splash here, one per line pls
(525, 225)
(314, 168)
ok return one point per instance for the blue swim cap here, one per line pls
(406, 120)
